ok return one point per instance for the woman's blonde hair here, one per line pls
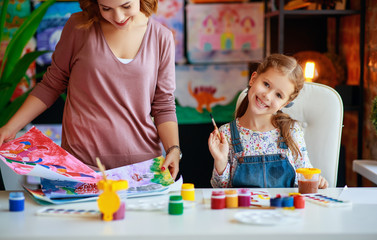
(292, 69)
(92, 12)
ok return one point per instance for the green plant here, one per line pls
(14, 66)
(373, 115)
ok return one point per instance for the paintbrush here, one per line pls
(214, 124)
(101, 168)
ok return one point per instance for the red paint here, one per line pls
(218, 200)
(244, 198)
(299, 201)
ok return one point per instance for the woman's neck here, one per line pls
(260, 123)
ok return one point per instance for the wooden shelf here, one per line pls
(320, 13)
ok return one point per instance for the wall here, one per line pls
(370, 81)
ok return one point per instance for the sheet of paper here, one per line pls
(359, 195)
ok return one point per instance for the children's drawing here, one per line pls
(52, 131)
(225, 32)
(143, 178)
(170, 14)
(204, 89)
(36, 155)
(51, 26)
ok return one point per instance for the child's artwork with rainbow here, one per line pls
(35, 154)
(225, 32)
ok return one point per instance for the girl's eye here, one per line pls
(127, 7)
(279, 95)
(266, 84)
(105, 9)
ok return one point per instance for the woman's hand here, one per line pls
(219, 150)
(6, 135)
(322, 183)
(172, 162)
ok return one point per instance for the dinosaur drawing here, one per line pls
(204, 96)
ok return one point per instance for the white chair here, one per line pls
(320, 110)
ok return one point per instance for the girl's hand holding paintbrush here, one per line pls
(219, 148)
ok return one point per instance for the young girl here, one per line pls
(263, 146)
(117, 65)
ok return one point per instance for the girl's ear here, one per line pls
(252, 78)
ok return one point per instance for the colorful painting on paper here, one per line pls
(52, 131)
(17, 12)
(143, 178)
(51, 26)
(204, 89)
(170, 14)
(225, 32)
(35, 154)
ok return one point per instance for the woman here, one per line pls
(117, 65)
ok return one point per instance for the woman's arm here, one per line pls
(168, 133)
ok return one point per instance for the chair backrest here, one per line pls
(320, 110)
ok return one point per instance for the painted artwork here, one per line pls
(170, 14)
(35, 154)
(18, 11)
(225, 32)
(51, 26)
(52, 131)
(144, 178)
(204, 89)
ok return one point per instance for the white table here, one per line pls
(366, 168)
(356, 222)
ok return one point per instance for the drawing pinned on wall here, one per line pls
(204, 89)
(170, 14)
(225, 32)
(35, 154)
(51, 26)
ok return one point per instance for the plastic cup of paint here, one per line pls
(244, 197)
(218, 200)
(308, 180)
(175, 205)
(16, 201)
(188, 192)
(231, 198)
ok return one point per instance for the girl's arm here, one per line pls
(29, 110)
(168, 133)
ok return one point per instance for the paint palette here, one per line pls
(326, 201)
(68, 212)
(268, 217)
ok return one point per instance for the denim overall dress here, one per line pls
(265, 171)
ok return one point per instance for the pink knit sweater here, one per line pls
(109, 104)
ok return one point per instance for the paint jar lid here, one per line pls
(175, 198)
(231, 192)
(218, 193)
(308, 172)
(16, 196)
(188, 186)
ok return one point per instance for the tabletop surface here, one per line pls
(358, 221)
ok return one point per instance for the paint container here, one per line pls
(287, 202)
(231, 198)
(218, 200)
(244, 197)
(276, 202)
(16, 201)
(308, 180)
(175, 205)
(188, 192)
(120, 214)
(299, 201)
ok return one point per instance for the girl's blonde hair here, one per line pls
(92, 12)
(292, 69)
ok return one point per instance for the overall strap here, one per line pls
(236, 141)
